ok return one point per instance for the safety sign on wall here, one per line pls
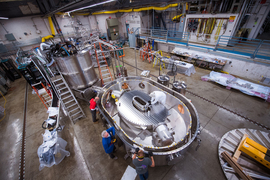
(232, 18)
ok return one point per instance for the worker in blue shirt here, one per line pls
(108, 141)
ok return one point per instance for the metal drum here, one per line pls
(180, 87)
(165, 129)
(78, 69)
(164, 80)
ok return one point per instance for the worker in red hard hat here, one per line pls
(93, 108)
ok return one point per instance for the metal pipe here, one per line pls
(241, 16)
(123, 60)
(153, 20)
(58, 28)
(117, 55)
(148, 19)
(89, 22)
(63, 7)
(220, 7)
(52, 30)
(3, 27)
(115, 63)
(136, 61)
(113, 69)
(51, 25)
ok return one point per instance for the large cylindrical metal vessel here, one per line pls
(166, 127)
(78, 69)
(180, 87)
(164, 79)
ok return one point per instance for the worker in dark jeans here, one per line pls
(141, 163)
(93, 108)
(108, 141)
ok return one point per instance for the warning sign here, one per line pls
(232, 18)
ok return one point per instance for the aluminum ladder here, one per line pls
(104, 70)
(67, 98)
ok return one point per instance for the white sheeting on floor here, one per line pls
(130, 174)
(242, 85)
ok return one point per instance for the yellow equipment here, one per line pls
(52, 30)
(220, 24)
(256, 151)
(176, 18)
(137, 10)
(157, 60)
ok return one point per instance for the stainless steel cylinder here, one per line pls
(180, 87)
(78, 69)
(164, 80)
(164, 136)
(168, 133)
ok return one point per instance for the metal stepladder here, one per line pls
(43, 93)
(145, 52)
(67, 98)
(104, 70)
(158, 61)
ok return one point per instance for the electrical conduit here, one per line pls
(139, 9)
(52, 30)
(124, 10)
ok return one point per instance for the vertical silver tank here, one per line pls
(180, 87)
(164, 80)
(78, 69)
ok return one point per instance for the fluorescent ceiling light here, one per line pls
(3, 18)
(93, 5)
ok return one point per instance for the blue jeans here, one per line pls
(143, 176)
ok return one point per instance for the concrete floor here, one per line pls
(87, 158)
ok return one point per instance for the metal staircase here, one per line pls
(67, 98)
(104, 70)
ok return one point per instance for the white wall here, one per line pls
(19, 26)
(146, 21)
(249, 70)
(212, 40)
(65, 23)
(135, 20)
(102, 23)
(122, 24)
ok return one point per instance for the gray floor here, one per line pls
(88, 159)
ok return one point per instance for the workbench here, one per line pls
(182, 67)
(200, 59)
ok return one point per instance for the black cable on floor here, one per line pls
(23, 141)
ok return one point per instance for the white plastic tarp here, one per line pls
(52, 151)
(240, 84)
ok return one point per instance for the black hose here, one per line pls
(43, 125)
